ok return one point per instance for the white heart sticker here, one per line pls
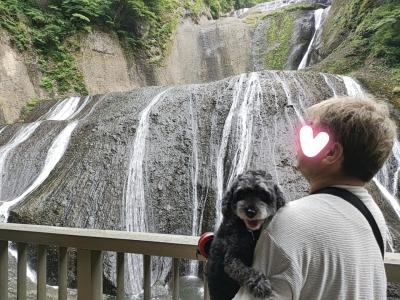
(312, 146)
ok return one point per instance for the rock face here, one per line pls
(281, 40)
(193, 139)
(103, 64)
(208, 51)
(16, 87)
(200, 52)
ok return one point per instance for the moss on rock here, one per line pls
(278, 40)
(361, 38)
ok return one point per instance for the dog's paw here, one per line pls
(260, 287)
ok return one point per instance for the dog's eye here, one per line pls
(240, 195)
(267, 196)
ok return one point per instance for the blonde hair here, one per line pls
(363, 127)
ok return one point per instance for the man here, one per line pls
(320, 246)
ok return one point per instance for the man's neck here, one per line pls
(322, 182)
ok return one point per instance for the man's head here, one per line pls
(362, 136)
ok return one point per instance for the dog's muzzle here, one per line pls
(254, 224)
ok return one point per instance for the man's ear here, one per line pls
(334, 155)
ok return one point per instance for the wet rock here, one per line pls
(87, 188)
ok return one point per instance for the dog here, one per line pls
(249, 201)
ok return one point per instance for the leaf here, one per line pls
(81, 17)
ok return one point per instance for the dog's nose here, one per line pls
(250, 212)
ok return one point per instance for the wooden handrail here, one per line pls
(92, 242)
(155, 244)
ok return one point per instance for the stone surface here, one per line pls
(16, 87)
(87, 188)
(103, 64)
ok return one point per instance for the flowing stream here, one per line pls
(319, 17)
(64, 110)
(135, 200)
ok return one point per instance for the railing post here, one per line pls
(147, 276)
(97, 275)
(84, 275)
(21, 271)
(62, 273)
(206, 293)
(175, 289)
(41, 272)
(120, 276)
(4, 270)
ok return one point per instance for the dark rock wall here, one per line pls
(86, 188)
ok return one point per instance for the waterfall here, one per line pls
(135, 202)
(224, 143)
(318, 17)
(2, 129)
(330, 84)
(195, 176)
(243, 134)
(288, 95)
(56, 151)
(249, 107)
(265, 6)
(62, 111)
(382, 179)
(21, 136)
(396, 155)
(181, 150)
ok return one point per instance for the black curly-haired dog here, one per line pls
(252, 198)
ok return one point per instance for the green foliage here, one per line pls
(380, 28)
(194, 6)
(362, 39)
(255, 17)
(27, 109)
(370, 28)
(278, 38)
(144, 24)
(223, 6)
(215, 8)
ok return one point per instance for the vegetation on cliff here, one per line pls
(222, 6)
(362, 38)
(43, 27)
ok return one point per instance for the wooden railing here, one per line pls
(90, 244)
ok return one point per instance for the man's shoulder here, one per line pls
(293, 208)
(298, 216)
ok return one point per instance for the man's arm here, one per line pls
(281, 270)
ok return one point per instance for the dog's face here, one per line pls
(253, 207)
(253, 197)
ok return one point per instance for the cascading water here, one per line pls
(172, 180)
(54, 154)
(195, 178)
(65, 110)
(242, 135)
(266, 6)
(22, 135)
(62, 111)
(224, 142)
(319, 17)
(383, 180)
(330, 84)
(135, 201)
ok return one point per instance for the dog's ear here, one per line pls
(227, 200)
(280, 200)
